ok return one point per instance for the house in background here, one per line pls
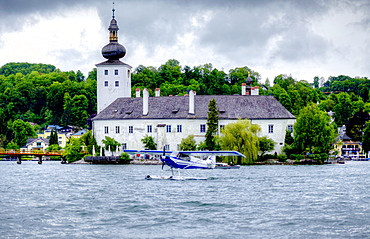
(62, 137)
(79, 133)
(36, 144)
(349, 149)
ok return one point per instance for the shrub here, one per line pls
(125, 158)
(282, 157)
(296, 157)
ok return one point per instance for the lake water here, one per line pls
(115, 201)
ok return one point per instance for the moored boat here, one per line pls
(220, 165)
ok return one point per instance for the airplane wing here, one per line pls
(150, 152)
(217, 153)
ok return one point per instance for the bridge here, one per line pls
(37, 153)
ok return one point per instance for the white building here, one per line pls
(36, 144)
(113, 75)
(170, 119)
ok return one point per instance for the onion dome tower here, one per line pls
(113, 75)
(113, 50)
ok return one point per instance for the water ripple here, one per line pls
(115, 201)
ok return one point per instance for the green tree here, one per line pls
(25, 68)
(110, 143)
(212, 125)
(73, 150)
(241, 136)
(125, 158)
(53, 148)
(366, 138)
(356, 125)
(266, 145)
(22, 131)
(53, 138)
(67, 110)
(288, 143)
(79, 110)
(89, 141)
(12, 145)
(282, 96)
(288, 137)
(313, 130)
(188, 143)
(149, 143)
(316, 82)
(343, 109)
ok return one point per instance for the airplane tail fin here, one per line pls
(211, 161)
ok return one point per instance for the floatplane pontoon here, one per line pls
(185, 160)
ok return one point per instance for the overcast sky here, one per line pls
(304, 38)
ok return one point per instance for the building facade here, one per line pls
(170, 119)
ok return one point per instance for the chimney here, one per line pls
(255, 90)
(191, 103)
(137, 93)
(145, 101)
(243, 88)
(157, 92)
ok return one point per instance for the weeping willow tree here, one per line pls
(241, 136)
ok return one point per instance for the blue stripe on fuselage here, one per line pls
(186, 164)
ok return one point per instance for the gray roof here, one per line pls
(112, 62)
(32, 140)
(177, 107)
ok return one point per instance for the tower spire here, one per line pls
(113, 28)
(114, 50)
(113, 11)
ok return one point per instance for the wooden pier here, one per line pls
(37, 153)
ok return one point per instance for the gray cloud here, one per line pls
(239, 30)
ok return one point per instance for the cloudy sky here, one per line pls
(302, 38)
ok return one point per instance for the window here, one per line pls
(117, 130)
(130, 129)
(128, 73)
(106, 83)
(178, 147)
(167, 147)
(116, 83)
(222, 127)
(124, 146)
(202, 128)
(179, 128)
(106, 129)
(116, 72)
(38, 144)
(168, 128)
(149, 128)
(271, 128)
(106, 72)
(290, 127)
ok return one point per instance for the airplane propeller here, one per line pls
(163, 156)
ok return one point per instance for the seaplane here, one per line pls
(180, 160)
